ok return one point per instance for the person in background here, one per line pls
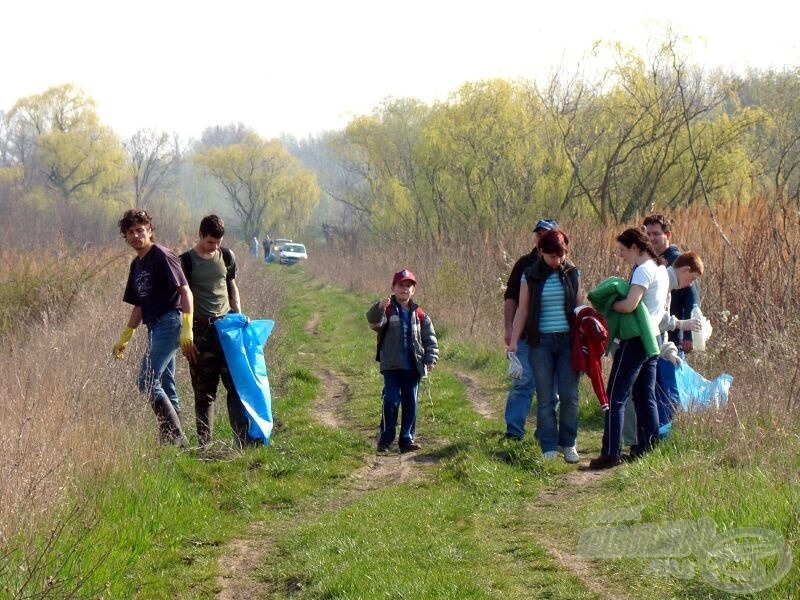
(254, 247)
(684, 272)
(682, 299)
(520, 396)
(633, 370)
(161, 298)
(210, 270)
(266, 246)
(549, 292)
(407, 352)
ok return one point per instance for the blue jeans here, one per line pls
(556, 386)
(157, 371)
(666, 392)
(631, 373)
(520, 396)
(399, 392)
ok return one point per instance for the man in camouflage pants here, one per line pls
(211, 272)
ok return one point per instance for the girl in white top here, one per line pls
(633, 371)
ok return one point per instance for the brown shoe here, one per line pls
(605, 462)
(409, 447)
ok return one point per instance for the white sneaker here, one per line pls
(550, 455)
(570, 454)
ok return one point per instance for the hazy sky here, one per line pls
(302, 66)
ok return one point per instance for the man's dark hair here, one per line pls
(133, 217)
(659, 219)
(212, 225)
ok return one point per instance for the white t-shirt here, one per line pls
(655, 281)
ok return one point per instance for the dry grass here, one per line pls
(70, 410)
(750, 292)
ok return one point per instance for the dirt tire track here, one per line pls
(581, 481)
(312, 327)
(476, 397)
(243, 556)
(238, 564)
(335, 394)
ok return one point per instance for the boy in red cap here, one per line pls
(407, 350)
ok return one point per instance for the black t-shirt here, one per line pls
(153, 281)
(513, 284)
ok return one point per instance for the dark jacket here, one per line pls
(536, 275)
(424, 346)
(513, 284)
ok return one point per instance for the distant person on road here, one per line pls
(550, 290)
(210, 270)
(407, 351)
(254, 247)
(520, 396)
(266, 246)
(161, 298)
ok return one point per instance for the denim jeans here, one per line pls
(556, 387)
(666, 392)
(157, 372)
(399, 392)
(520, 396)
(631, 373)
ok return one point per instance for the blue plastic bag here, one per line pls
(695, 391)
(243, 344)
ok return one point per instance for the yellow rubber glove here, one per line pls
(120, 346)
(187, 338)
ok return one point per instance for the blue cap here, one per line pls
(546, 224)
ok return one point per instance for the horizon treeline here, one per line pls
(647, 134)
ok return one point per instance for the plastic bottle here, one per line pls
(699, 337)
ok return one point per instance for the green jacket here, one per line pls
(624, 326)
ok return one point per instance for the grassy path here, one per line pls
(318, 514)
(451, 520)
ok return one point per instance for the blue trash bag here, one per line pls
(695, 391)
(243, 344)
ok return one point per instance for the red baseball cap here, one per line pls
(404, 275)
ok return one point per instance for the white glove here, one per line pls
(668, 322)
(690, 325)
(669, 351)
(515, 369)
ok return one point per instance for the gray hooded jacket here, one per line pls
(425, 347)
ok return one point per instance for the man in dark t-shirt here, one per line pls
(210, 270)
(161, 300)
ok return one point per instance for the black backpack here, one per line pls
(186, 262)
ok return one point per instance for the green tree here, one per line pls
(268, 188)
(485, 147)
(78, 157)
(626, 136)
(775, 144)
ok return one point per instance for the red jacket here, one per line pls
(588, 347)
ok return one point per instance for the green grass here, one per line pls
(466, 523)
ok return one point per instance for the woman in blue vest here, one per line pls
(548, 296)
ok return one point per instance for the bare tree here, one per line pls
(155, 158)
